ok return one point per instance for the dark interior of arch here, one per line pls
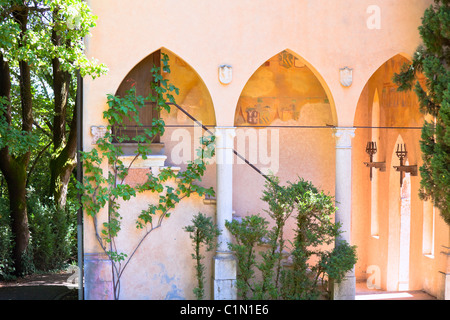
(140, 77)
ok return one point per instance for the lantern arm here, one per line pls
(377, 165)
(408, 169)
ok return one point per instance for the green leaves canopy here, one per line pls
(433, 60)
(70, 19)
(34, 43)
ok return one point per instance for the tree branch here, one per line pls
(61, 84)
(36, 161)
(48, 134)
(21, 8)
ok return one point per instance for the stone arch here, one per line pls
(193, 95)
(292, 59)
(284, 100)
(375, 82)
(397, 116)
(376, 65)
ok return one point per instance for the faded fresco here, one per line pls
(193, 95)
(283, 92)
(400, 108)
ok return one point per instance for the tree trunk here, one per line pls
(63, 164)
(16, 182)
(14, 168)
(61, 85)
(15, 175)
(14, 171)
(64, 149)
(61, 169)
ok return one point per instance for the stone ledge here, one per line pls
(139, 163)
(209, 200)
(130, 149)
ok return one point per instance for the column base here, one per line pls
(447, 287)
(224, 276)
(345, 290)
(443, 290)
(97, 277)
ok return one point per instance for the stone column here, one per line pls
(224, 274)
(343, 194)
(443, 292)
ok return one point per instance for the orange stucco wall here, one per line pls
(400, 111)
(323, 36)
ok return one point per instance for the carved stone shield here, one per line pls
(346, 76)
(225, 74)
(98, 132)
(252, 116)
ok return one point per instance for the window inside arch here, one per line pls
(140, 78)
(193, 97)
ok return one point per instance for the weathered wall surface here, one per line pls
(323, 36)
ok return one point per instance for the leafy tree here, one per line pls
(41, 49)
(432, 59)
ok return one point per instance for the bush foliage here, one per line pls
(311, 265)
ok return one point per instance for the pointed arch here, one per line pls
(380, 82)
(193, 92)
(288, 59)
(382, 61)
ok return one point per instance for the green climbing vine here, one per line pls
(107, 188)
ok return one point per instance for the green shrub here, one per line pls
(248, 233)
(53, 233)
(203, 232)
(6, 262)
(311, 264)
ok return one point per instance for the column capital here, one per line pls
(344, 137)
(225, 137)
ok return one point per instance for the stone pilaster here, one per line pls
(343, 195)
(97, 277)
(224, 261)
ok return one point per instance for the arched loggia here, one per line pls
(383, 114)
(180, 134)
(283, 119)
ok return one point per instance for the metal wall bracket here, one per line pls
(401, 154)
(371, 149)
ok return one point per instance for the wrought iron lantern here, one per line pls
(371, 150)
(401, 155)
